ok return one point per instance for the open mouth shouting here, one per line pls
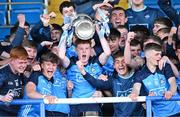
(49, 73)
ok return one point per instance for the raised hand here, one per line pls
(80, 65)
(100, 31)
(130, 36)
(21, 19)
(45, 18)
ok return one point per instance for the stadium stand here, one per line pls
(22, 4)
(3, 13)
(31, 8)
(32, 15)
(9, 9)
(3, 5)
(4, 31)
(2, 18)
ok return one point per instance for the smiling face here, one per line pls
(18, 65)
(153, 57)
(32, 52)
(84, 52)
(157, 27)
(68, 11)
(120, 66)
(48, 68)
(135, 50)
(27, 30)
(55, 35)
(118, 17)
(114, 44)
(123, 37)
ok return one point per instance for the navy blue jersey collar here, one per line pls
(49, 80)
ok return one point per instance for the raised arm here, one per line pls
(20, 31)
(165, 60)
(44, 35)
(97, 83)
(127, 52)
(62, 49)
(173, 14)
(127, 49)
(105, 46)
(171, 34)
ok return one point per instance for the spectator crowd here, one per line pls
(133, 52)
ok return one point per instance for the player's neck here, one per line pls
(138, 7)
(151, 67)
(12, 69)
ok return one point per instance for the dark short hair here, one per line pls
(56, 27)
(49, 57)
(154, 38)
(119, 53)
(119, 9)
(141, 29)
(121, 27)
(65, 4)
(165, 21)
(29, 44)
(153, 46)
(135, 42)
(114, 33)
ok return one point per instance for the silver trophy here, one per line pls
(84, 27)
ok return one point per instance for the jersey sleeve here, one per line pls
(72, 62)
(95, 59)
(34, 77)
(168, 72)
(138, 77)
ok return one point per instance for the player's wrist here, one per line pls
(171, 92)
(43, 96)
(83, 72)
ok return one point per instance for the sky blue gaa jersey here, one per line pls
(120, 86)
(71, 51)
(157, 82)
(108, 68)
(143, 17)
(178, 82)
(56, 87)
(82, 89)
